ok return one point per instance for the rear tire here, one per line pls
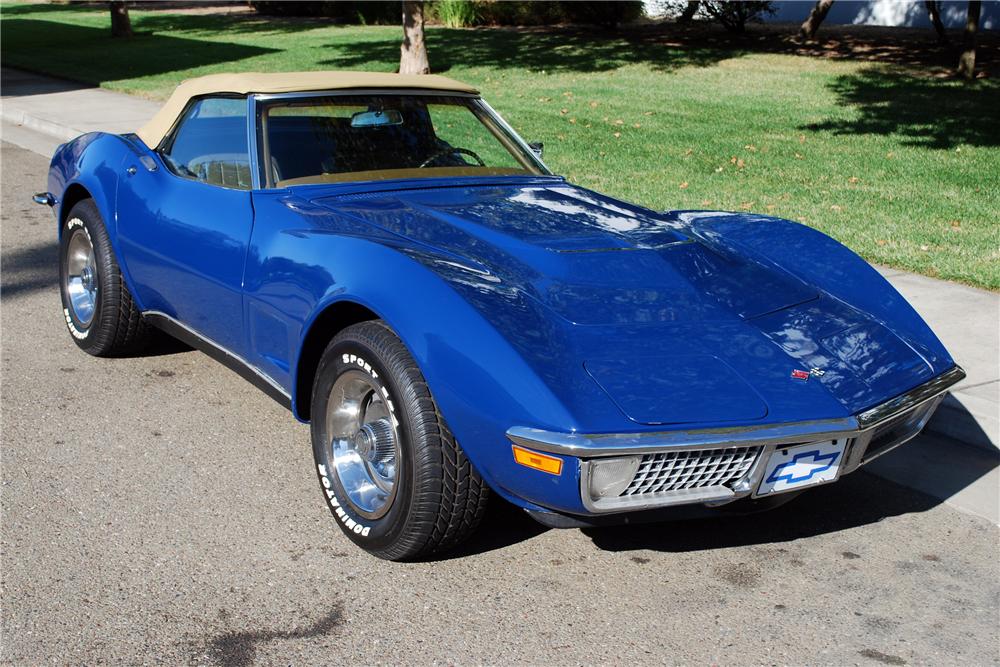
(396, 480)
(97, 306)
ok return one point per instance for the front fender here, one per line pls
(93, 162)
(91, 165)
(480, 382)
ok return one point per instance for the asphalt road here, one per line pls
(161, 510)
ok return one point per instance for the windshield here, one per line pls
(375, 137)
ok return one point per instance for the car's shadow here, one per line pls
(856, 500)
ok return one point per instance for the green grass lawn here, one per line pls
(904, 169)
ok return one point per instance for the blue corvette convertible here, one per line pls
(386, 257)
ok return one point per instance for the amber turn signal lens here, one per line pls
(538, 461)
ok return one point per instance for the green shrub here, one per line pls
(347, 11)
(457, 13)
(735, 14)
(606, 14)
(523, 12)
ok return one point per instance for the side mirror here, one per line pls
(538, 148)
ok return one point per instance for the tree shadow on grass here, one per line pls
(47, 45)
(215, 24)
(166, 18)
(26, 10)
(550, 50)
(927, 112)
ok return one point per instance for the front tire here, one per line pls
(97, 306)
(397, 482)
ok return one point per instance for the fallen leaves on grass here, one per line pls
(683, 186)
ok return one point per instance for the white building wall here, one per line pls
(895, 13)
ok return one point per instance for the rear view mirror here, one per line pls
(382, 118)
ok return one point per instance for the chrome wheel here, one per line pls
(364, 443)
(81, 276)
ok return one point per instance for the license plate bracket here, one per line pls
(802, 466)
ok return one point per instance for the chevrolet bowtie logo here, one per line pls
(804, 466)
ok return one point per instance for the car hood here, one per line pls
(673, 328)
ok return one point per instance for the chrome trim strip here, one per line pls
(916, 430)
(615, 444)
(229, 358)
(518, 139)
(255, 166)
(912, 398)
(612, 444)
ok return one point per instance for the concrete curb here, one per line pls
(51, 128)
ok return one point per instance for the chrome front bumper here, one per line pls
(869, 434)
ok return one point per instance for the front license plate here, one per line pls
(801, 466)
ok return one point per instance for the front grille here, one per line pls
(691, 469)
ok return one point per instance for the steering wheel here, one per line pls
(449, 151)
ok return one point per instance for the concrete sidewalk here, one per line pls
(64, 109)
(966, 319)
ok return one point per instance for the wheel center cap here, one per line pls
(87, 278)
(374, 441)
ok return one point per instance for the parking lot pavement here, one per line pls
(161, 510)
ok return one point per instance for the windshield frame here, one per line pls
(260, 102)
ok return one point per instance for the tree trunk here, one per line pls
(967, 63)
(689, 11)
(121, 25)
(934, 11)
(413, 52)
(816, 16)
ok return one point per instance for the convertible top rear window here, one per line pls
(376, 137)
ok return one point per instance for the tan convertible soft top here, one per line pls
(152, 133)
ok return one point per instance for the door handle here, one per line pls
(131, 170)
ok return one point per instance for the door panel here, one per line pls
(185, 243)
